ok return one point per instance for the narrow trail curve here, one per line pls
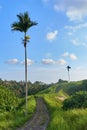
(40, 119)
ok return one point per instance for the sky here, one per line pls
(59, 40)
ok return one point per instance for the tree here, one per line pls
(68, 68)
(23, 24)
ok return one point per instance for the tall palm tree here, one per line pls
(68, 68)
(23, 24)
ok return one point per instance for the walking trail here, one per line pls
(40, 119)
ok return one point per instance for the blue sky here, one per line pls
(59, 39)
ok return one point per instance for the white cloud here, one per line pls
(16, 61)
(75, 10)
(29, 62)
(76, 14)
(66, 54)
(76, 27)
(58, 8)
(70, 55)
(48, 61)
(62, 62)
(76, 42)
(54, 62)
(12, 61)
(73, 56)
(51, 35)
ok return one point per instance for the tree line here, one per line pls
(19, 87)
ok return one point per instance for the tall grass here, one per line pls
(75, 119)
(12, 120)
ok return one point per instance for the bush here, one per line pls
(8, 100)
(78, 100)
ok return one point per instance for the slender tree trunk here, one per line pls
(26, 111)
(68, 77)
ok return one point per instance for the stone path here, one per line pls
(40, 119)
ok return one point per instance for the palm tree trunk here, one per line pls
(26, 111)
(68, 77)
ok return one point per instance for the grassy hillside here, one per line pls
(68, 88)
(71, 119)
(74, 119)
(54, 96)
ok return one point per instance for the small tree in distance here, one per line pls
(68, 68)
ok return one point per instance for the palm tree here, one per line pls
(23, 24)
(68, 68)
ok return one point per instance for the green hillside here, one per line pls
(70, 119)
(12, 104)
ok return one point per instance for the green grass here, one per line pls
(12, 120)
(75, 119)
(50, 90)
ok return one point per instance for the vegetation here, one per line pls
(78, 100)
(19, 87)
(14, 119)
(73, 87)
(66, 102)
(74, 119)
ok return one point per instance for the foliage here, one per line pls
(73, 87)
(19, 87)
(8, 100)
(75, 119)
(24, 23)
(78, 100)
(13, 120)
(36, 87)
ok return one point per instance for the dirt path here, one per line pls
(40, 119)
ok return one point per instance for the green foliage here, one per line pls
(8, 100)
(78, 100)
(72, 119)
(19, 87)
(36, 87)
(73, 87)
(75, 119)
(14, 119)
(49, 89)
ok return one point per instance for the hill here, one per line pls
(54, 96)
(70, 119)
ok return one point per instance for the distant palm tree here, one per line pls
(23, 24)
(68, 68)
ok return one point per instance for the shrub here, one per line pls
(78, 100)
(8, 100)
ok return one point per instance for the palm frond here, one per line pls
(24, 23)
(20, 17)
(17, 26)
